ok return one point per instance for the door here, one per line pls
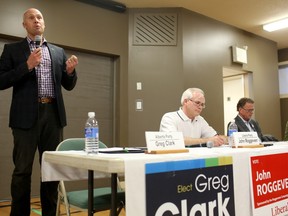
(236, 84)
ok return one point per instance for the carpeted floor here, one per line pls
(36, 209)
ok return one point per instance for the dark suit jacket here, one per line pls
(242, 127)
(14, 73)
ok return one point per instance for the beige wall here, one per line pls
(159, 69)
(207, 49)
(283, 57)
(203, 49)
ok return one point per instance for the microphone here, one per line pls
(37, 41)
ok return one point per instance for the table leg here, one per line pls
(90, 192)
(114, 194)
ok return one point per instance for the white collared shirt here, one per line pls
(178, 121)
(248, 125)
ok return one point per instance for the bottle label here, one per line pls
(91, 132)
(231, 131)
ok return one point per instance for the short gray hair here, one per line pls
(188, 93)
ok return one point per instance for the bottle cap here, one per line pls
(91, 114)
(210, 144)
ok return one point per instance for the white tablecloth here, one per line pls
(134, 169)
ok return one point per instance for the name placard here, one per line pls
(156, 140)
(246, 139)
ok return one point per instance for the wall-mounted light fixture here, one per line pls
(239, 54)
(277, 25)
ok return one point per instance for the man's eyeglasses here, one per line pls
(248, 110)
(198, 103)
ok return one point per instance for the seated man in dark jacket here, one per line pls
(244, 121)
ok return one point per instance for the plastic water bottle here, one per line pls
(231, 129)
(91, 134)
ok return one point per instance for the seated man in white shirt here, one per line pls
(187, 119)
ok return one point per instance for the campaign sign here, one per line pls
(269, 178)
(190, 187)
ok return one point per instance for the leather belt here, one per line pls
(46, 100)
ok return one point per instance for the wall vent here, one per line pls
(155, 29)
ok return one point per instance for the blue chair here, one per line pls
(79, 199)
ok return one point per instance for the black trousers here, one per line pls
(44, 136)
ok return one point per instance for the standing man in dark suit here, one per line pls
(37, 113)
(243, 120)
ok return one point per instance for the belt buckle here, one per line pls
(45, 100)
